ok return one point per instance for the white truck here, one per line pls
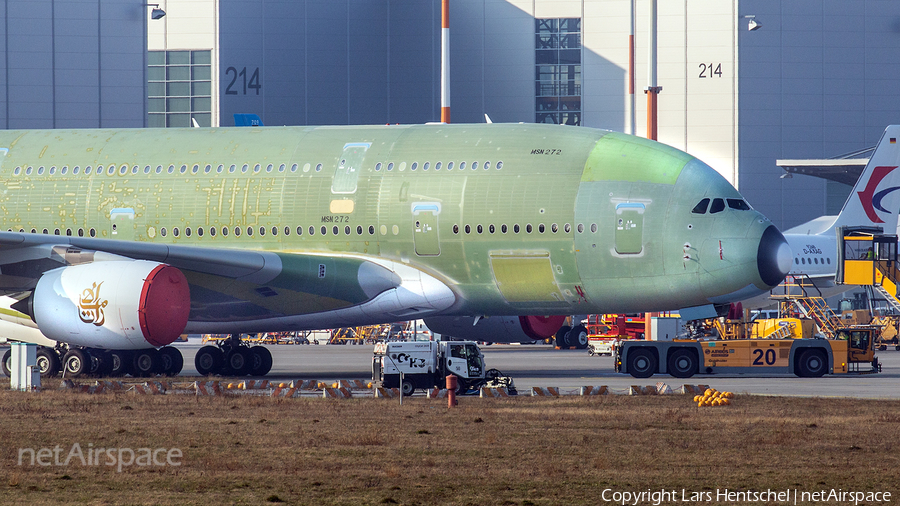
(426, 364)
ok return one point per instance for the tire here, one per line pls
(121, 362)
(209, 360)
(146, 362)
(561, 341)
(578, 337)
(407, 388)
(105, 363)
(95, 362)
(76, 363)
(7, 363)
(682, 363)
(641, 363)
(260, 361)
(48, 362)
(171, 361)
(237, 361)
(812, 364)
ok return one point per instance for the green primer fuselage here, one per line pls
(551, 220)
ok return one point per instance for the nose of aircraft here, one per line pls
(774, 256)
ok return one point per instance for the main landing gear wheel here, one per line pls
(578, 337)
(48, 362)
(209, 360)
(121, 362)
(260, 361)
(7, 363)
(76, 363)
(103, 363)
(171, 360)
(562, 341)
(237, 361)
(146, 362)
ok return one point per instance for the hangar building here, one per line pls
(813, 80)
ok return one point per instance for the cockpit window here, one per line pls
(738, 204)
(701, 206)
(718, 205)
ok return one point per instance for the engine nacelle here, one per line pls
(497, 329)
(113, 305)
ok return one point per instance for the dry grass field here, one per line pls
(521, 451)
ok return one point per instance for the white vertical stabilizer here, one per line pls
(875, 200)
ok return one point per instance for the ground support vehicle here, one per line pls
(852, 351)
(606, 330)
(426, 364)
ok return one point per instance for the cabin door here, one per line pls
(121, 224)
(629, 228)
(425, 228)
(347, 173)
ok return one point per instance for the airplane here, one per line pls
(873, 202)
(117, 241)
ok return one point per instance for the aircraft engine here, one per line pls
(497, 329)
(112, 305)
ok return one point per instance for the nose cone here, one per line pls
(773, 258)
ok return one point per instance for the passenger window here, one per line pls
(718, 205)
(701, 206)
(738, 204)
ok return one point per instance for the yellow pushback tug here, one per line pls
(865, 257)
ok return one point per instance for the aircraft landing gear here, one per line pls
(78, 361)
(233, 358)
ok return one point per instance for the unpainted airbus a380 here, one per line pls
(117, 241)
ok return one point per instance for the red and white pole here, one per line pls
(631, 99)
(445, 61)
(652, 89)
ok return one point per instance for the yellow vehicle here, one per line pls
(852, 351)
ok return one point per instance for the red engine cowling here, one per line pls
(113, 305)
(497, 329)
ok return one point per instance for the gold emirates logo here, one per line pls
(91, 306)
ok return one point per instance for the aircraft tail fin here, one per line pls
(875, 200)
(241, 119)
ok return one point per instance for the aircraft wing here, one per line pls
(244, 290)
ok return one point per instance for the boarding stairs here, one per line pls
(887, 276)
(817, 309)
(781, 331)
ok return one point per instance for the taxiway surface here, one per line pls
(543, 366)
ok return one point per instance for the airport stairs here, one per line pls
(817, 309)
(887, 276)
(781, 332)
